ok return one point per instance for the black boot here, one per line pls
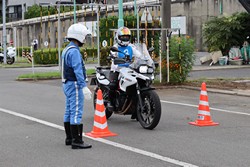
(68, 139)
(80, 128)
(77, 142)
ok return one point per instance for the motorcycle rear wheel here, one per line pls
(105, 99)
(150, 116)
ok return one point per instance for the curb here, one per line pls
(36, 79)
(208, 68)
(228, 92)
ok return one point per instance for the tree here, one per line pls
(221, 33)
(35, 10)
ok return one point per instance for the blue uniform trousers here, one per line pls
(74, 103)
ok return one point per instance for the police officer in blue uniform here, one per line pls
(74, 86)
(123, 44)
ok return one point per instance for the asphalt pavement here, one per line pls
(32, 132)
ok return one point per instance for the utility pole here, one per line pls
(166, 21)
(59, 35)
(4, 30)
(74, 11)
(135, 8)
(120, 20)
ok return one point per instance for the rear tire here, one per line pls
(151, 114)
(105, 100)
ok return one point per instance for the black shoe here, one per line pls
(80, 145)
(68, 139)
(77, 142)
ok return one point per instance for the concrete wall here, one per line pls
(200, 11)
(197, 13)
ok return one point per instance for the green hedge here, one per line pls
(20, 50)
(50, 56)
(46, 56)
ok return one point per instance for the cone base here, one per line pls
(100, 134)
(208, 123)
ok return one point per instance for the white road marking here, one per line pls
(114, 144)
(216, 109)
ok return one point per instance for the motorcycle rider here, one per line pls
(122, 38)
(74, 86)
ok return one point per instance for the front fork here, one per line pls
(139, 96)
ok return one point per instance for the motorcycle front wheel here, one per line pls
(105, 96)
(10, 60)
(150, 115)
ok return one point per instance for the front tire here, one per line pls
(150, 116)
(10, 60)
(105, 96)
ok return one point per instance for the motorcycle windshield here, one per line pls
(144, 59)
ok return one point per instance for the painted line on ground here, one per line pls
(114, 144)
(196, 106)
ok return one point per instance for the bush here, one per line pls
(181, 60)
(103, 56)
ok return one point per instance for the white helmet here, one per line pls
(123, 35)
(78, 32)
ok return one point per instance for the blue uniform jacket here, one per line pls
(74, 65)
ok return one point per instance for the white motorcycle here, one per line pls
(134, 96)
(10, 55)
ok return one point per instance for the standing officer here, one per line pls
(74, 86)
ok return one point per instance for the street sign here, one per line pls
(104, 43)
(46, 43)
(180, 23)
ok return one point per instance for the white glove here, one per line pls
(87, 93)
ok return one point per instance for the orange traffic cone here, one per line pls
(204, 116)
(100, 128)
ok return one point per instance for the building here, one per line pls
(15, 9)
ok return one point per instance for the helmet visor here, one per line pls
(124, 38)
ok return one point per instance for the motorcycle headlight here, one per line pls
(143, 69)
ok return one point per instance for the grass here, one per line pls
(46, 75)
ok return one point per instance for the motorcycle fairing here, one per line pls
(102, 79)
(128, 77)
